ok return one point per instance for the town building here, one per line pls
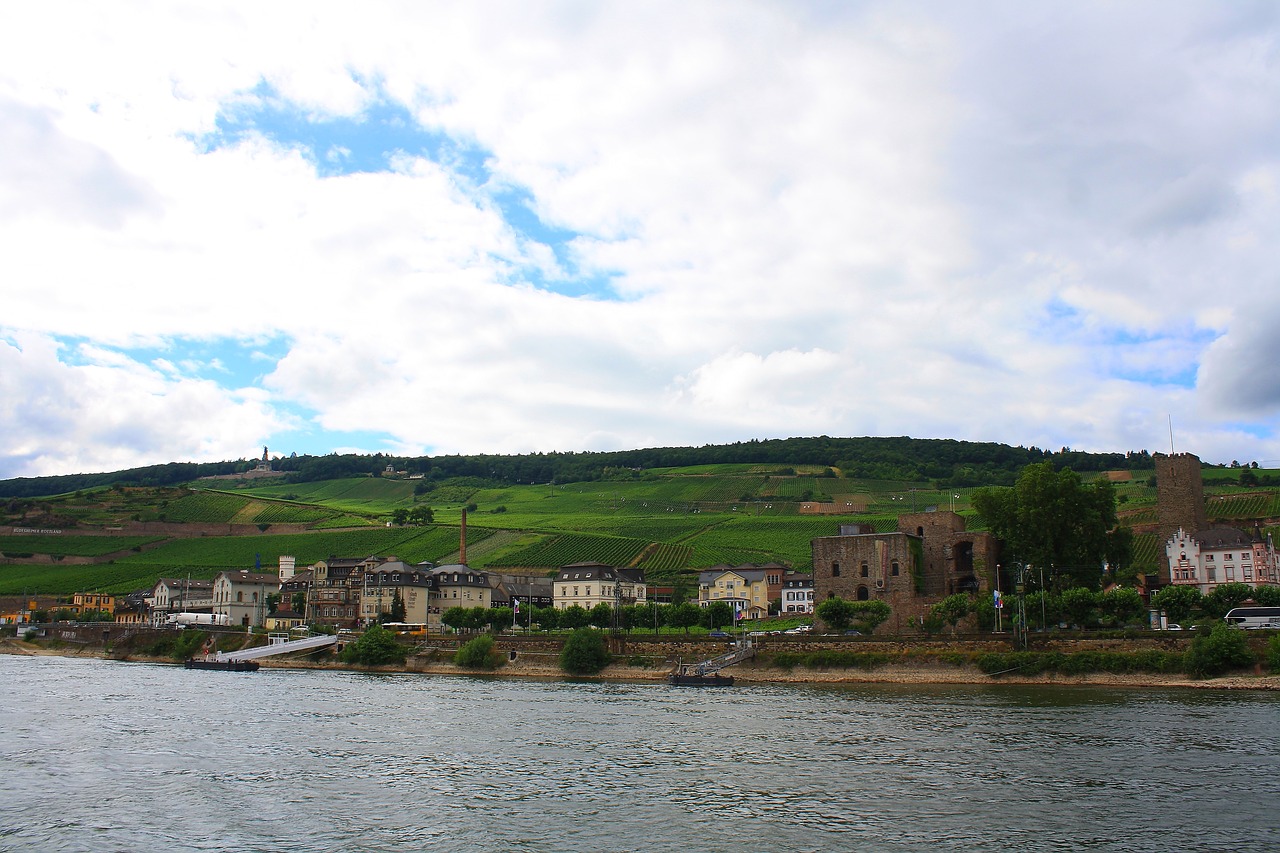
(411, 583)
(132, 608)
(457, 585)
(333, 598)
(589, 584)
(242, 596)
(180, 595)
(797, 593)
(749, 588)
(92, 602)
(1219, 555)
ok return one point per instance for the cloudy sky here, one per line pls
(430, 228)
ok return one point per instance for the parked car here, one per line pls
(852, 633)
(799, 629)
(1173, 626)
(718, 634)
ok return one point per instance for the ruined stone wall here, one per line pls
(937, 530)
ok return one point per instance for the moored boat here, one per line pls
(680, 679)
(223, 665)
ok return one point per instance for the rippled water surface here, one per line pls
(119, 756)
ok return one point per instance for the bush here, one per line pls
(1273, 655)
(478, 653)
(1214, 653)
(584, 653)
(376, 647)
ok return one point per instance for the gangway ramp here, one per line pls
(744, 650)
(304, 645)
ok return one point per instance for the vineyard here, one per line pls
(65, 580)
(576, 548)
(215, 553)
(204, 507)
(71, 546)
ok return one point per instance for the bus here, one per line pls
(1253, 617)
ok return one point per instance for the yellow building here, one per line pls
(92, 602)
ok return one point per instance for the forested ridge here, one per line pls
(944, 462)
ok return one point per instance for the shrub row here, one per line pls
(1080, 663)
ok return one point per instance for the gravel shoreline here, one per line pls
(529, 666)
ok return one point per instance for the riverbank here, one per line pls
(545, 665)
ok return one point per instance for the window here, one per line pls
(835, 570)
(893, 568)
(862, 572)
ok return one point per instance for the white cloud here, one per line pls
(109, 412)
(1026, 224)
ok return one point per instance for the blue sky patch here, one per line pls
(370, 141)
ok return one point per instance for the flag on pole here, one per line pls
(515, 603)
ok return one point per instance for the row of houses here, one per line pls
(351, 592)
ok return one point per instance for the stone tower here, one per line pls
(1179, 494)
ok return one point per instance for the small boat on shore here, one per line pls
(223, 665)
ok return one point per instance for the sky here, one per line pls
(440, 228)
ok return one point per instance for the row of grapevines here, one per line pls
(281, 513)
(577, 548)
(665, 558)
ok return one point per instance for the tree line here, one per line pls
(946, 462)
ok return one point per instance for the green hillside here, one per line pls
(667, 521)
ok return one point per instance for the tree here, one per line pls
(1122, 604)
(869, 615)
(1178, 601)
(718, 613)
(398, 611)
(952, 609)
(685, 616)
(400, 516)
(456, 618)
(498, 618)
(375, 647)
(574, 616)
(1226, 596)
(1055, 520)
(835, 612)
(601, 616)
(1079, 604)
(1267, 596)
(546, 618)
(421, 515)
(584, 653)
(635, 616)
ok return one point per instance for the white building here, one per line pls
(797, 593)
(243, 596)
(589, 584)
(1220, 555)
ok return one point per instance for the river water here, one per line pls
(103, 756)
